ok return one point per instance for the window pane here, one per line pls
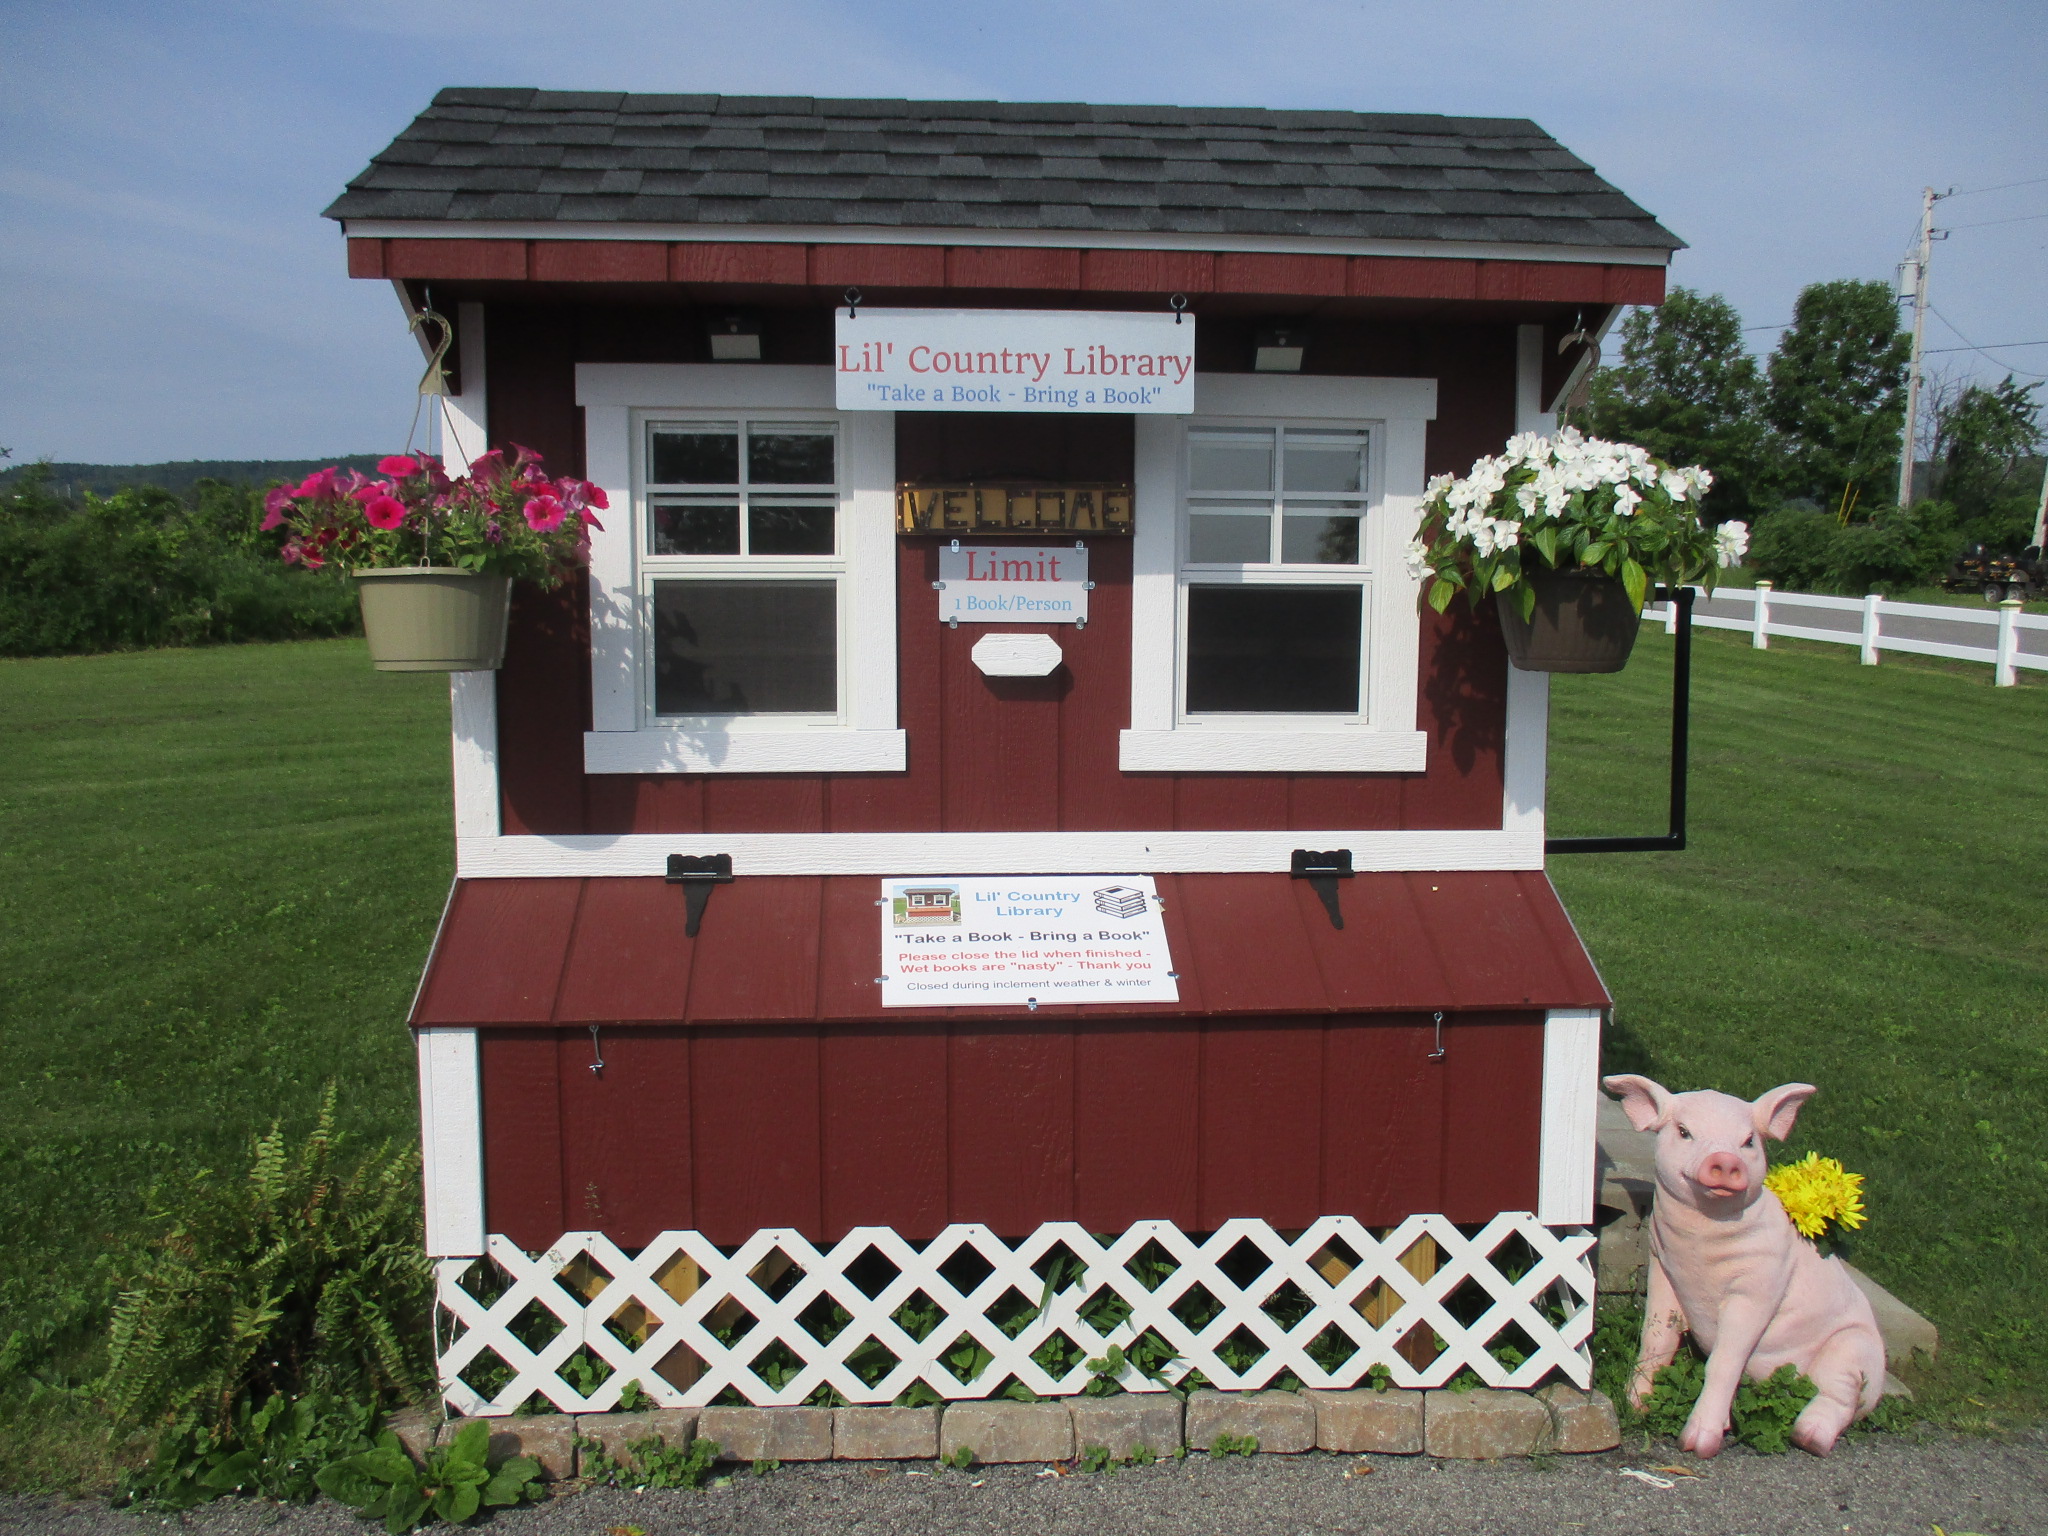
(1325, 461)
(1273, 650)
(707, 455)
(789, 456)
(790, 527)
(746, 647)
(694, 528)
(1317, 538)
(1230, 538)
(1234, 462)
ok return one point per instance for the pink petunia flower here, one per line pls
(544, 514)
(319, 483)
(398, 465)
(384, 511)
(275, 505)
(594, 494)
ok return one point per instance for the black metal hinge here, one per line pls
(1322, 871)
(696, 873)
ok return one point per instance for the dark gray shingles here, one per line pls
(540, 155)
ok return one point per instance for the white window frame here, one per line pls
(620, 401)
(1382, 737)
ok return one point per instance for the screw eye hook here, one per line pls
(852, 303)
(1177, 303)
(1435, 1055)
(597, 1052)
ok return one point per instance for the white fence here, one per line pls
(2005, 637)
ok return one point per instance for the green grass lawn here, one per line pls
(1860, 907)
(220, 871)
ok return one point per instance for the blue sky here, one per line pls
(168, 289)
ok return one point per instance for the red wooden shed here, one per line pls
(1177, 377)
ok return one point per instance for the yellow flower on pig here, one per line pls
(1815, 1191)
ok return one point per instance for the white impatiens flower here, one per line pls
(1676, 485)
(1528, 448)
(1526, 496)
(1417, 556)
(1439, 483)
(1731, 543)
(1626, 499)
(1702, 478)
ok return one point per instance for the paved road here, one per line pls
(1874, 1486)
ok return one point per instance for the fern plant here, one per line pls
(308, 1274)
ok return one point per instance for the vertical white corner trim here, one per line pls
(473, 708)
(452, 1142)
(1155, 565)
(614, 611)
(1571, 1116)
(1529, 413)
(465, 418)
(1525, 772)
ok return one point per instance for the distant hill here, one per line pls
(105, 479)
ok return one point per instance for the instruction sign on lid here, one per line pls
(1071, 362)
(1024, 941)
(1013, 583)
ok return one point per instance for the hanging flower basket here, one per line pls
(1567, 535)
(423, 618)
(434, 559)
(1582, 621)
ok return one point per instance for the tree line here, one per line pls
(1804, 444)
(146, 566)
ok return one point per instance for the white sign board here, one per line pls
(1013, 583)
(1069, 361)
(1022, 939)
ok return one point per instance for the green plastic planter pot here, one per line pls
(431, 619)
(1583, 622)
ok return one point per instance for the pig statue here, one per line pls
(1727, 1263)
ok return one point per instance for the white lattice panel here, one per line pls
(1550, 1302)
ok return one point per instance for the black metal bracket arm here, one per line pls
(1681, 733)
(1322, 871)
(696, 874)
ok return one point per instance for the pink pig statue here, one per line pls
(1727, 1263)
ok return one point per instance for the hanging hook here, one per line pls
(597, 1051)
(435, 380)
(852, 303)
(1435, 1055)
(1177, 303)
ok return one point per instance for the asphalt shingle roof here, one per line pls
(579, 156)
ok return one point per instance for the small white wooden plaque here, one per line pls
(1016, 655)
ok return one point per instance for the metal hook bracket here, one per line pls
(1322, 871)
(696, 874)
(596, 1052)
(1178, 303)
(852, 303)
(1438, 1053)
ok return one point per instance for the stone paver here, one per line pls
(549, 1438)
(618, 1432)
(1387, 1423)
(1121, 1424)
(885, 1434)
(1484, 1424)
(768, 1434)
(1580, 1422)
(1282, 1422)
(1002, 1432)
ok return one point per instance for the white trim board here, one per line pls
(451, 1142)
(1027, 239)
(986, 853)
(1571, 1116)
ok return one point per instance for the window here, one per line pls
(1274, 608)
(743, 589)
(1274, 626)
(742, 568)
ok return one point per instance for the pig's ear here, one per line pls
(1777, 1110)
(1645, 1103)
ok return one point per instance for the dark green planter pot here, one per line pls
(1583, 622)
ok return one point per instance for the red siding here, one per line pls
(1148, 271)
(780, 265)
(470, 260)
(915, 1124)
(600, 261)
(997, 266)
(880, 266)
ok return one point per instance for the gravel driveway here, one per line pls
(1896, 1486)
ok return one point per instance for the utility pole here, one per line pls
(1916, 271)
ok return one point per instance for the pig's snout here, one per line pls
(1722, 1173)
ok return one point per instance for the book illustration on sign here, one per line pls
(1120, 901)
(921, 904)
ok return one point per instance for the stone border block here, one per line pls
(549, 1438)
(1484, 1424)
(885, 1434)
(1123, 1423)
(768, 1434)
(1283, 1423)
(1580, 1422)
(1385, 1423)
(618, 1432)
(416, 1431)
(1002, 1432)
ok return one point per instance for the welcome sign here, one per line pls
(1074, 362)
(1022, 940)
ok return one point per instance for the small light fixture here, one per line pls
(1279, 349)
(736, 338)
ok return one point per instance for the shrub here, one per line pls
(1803, 549)
(1791, 546)
(308, 1275)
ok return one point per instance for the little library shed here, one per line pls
(995, 862)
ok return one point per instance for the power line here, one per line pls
(2025, 218)
(1989, 346)
(2003, 186)
(1973, 347)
